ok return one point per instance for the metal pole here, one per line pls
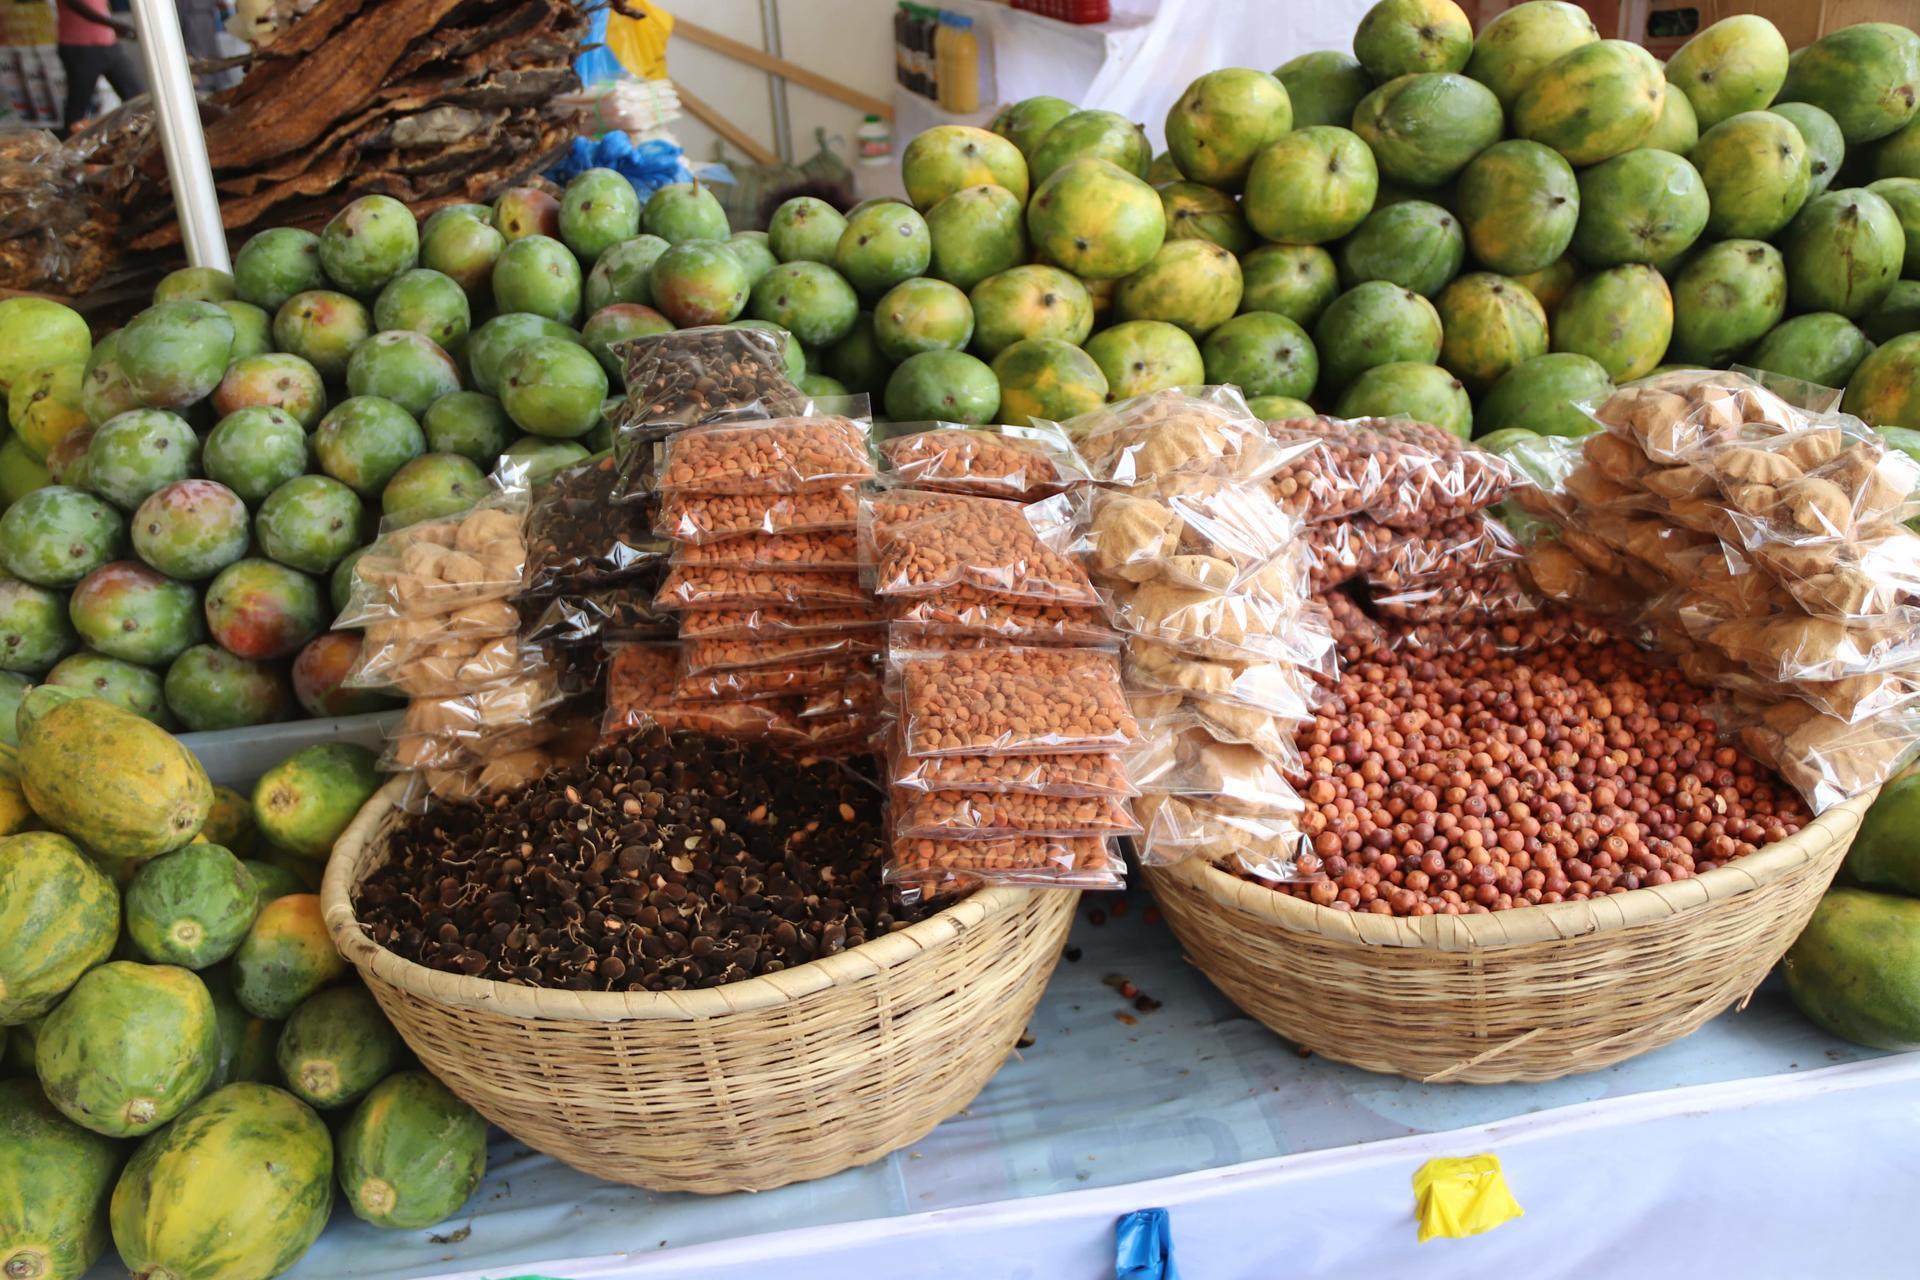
(776, 83)
(176, 113)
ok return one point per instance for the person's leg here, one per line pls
(124, 71)
(82, 66)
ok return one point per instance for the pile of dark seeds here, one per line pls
(660, 863)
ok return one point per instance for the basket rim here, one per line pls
(868, 960)
(1546, 923)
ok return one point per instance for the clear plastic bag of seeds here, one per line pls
(986, 544)
(988, 815)
(1268, 846)
(713, 517)
(712, 373)
(771, 621)
(772, 455)
(1324, 474)
(1521, 635)
(964, 611)
(1011, 699)
(579, 537)
(1277, 688)
(1339, 551)
(1232, 776)
(1428, 474)
(703, 656)
(610, 615)
(1826, 759)
(1355, 631)
(1036, 862)
(1459, 546)
(1022, 464)
(641, 682)
(822, 549)
(750, 684)
(1495, 594)
(721, 586)
(1168, 432)
(433, 568)
(1078, 774)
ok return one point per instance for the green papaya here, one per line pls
(59, 917)
(238, 1188)
(191, 907)
(336, 1046)
(1886, 852)
(55, 1179)
(303, 803)
(285, 957)
(1855, 969)
(411, 1153)
(120, 785)
(246, 1042)
(130, 1047)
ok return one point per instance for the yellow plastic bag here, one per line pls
(1461, 1196)
(640, 43)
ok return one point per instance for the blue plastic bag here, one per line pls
(648, 165)
(1143, 1246)
(598, 62)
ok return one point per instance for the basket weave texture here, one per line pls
(790, 1076)
(1525, 995)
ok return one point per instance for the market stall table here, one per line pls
(1190, 1090)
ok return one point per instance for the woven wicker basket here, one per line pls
(745, 1087)
(1517, 995)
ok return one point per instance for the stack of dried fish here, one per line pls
(429, 101)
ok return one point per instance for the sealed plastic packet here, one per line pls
(1165, 433)
(722, 586)
(702, 656)
(706, 374)
(1269, 846)
(433, 568)
(1102, 774)
(712, 517)
(977, 815)
(985, 544)
(1023, 464)
(775, 621)
(1072, 862)
(609, 615)
(770, 456)
(641, 682)
(822, 549)
(968, 611)
(579, 538)
(1013, 700)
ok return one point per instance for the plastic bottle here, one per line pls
(960, 74)
(874, 139)
(929, 64)
(902, 58)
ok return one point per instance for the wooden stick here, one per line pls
(699, 110)
(792, 71)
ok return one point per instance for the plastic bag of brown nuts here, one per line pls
(1078, 774)
(725, 587)
(985, 544)
(747, 622)
(967, 611)
(822, 549)
(705, 374)
(773, 455)
(1069, 862)
(1165, 433)
(1023, 464)
(713, 517)
(1011, 699)
(983, 815)
(642, 680)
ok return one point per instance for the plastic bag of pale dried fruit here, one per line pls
(1269, 846)
(1039, 862)
(774, 455)
(391, 649)
(1023, 464)
(433, 568)
(1245, 625)
(1164, 716)
(1787, 645)
(1824, 485)
(711, 373)
(1233, 777)
(1165, 433)
(924, 544)
(1861, 578)
(1279, 689)
(1825, 759)
(1195, 528)
(1011, 699)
